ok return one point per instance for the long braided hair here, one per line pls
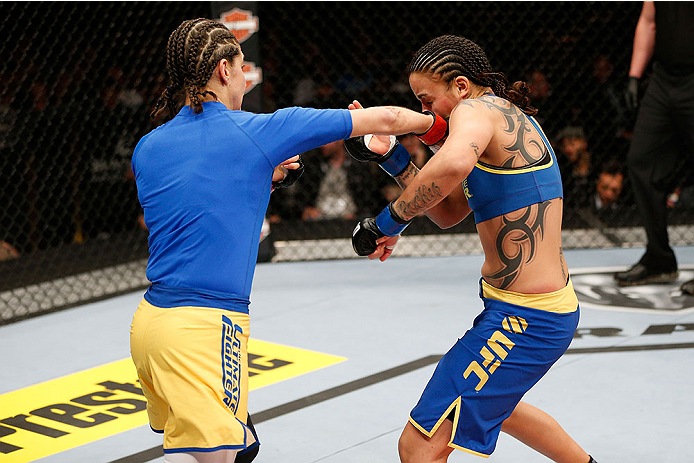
(192, 53)
(450, 56)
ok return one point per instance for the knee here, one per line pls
(406, 448)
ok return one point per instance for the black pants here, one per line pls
(663, 136)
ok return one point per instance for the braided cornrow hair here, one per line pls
(192, 53)
(450, 56)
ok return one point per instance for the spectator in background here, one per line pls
(7, 251)
(608, 189)
(314, 88)
(419, 152)
(540, 93)
(334, 187)
(576, 166)
(13, 215)
(266, 245)
(109, 198)
(664, 129)
(540, 89)
(603, 104)
(612, 116)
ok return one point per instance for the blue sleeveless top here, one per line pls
(492, 191)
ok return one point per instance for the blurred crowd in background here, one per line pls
(78, 84)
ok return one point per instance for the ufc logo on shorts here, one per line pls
(496, 342)
(231, 362)
(466, 190)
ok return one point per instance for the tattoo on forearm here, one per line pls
(406, 177)
(423, 198)
(522, 232)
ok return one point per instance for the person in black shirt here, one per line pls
(664, 130)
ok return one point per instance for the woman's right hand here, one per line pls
(384, 248)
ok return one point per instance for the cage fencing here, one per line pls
(79, 80)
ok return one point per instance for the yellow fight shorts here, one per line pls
(192, 363)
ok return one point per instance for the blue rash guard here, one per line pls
(203, 181)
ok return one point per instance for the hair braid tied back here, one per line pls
(450, 56)
(192, 53)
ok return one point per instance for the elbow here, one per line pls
(446, 225)
(446, 218)
(392, 119)
(460, 167)
(442, 224)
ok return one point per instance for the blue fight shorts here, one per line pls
(481, 379)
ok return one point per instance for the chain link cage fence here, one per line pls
(79, 80)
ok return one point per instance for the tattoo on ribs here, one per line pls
(521, 232)
(422, 200)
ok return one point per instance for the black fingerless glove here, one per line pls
(365, 235)
(370, 229)
(394, 162)
(291, 176)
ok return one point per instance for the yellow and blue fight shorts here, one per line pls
(192, 363)
(481, 379)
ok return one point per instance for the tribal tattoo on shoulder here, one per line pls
(516, 124)
(524, 232)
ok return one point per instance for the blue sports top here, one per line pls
(492, 191)
(203, 181)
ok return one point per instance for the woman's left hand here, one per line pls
(281, 171)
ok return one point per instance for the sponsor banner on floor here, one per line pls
(76, 409)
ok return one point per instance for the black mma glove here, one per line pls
(370, 229)
(394, 162)
(365, 235)
(290, 177)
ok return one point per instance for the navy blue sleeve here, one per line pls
(290, 131)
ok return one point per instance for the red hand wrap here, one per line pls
(437, 132)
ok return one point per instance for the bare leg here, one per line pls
(541, 432)
(415, 447)
(219, 456)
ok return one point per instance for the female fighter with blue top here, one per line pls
(495, 161)
(204, 180)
